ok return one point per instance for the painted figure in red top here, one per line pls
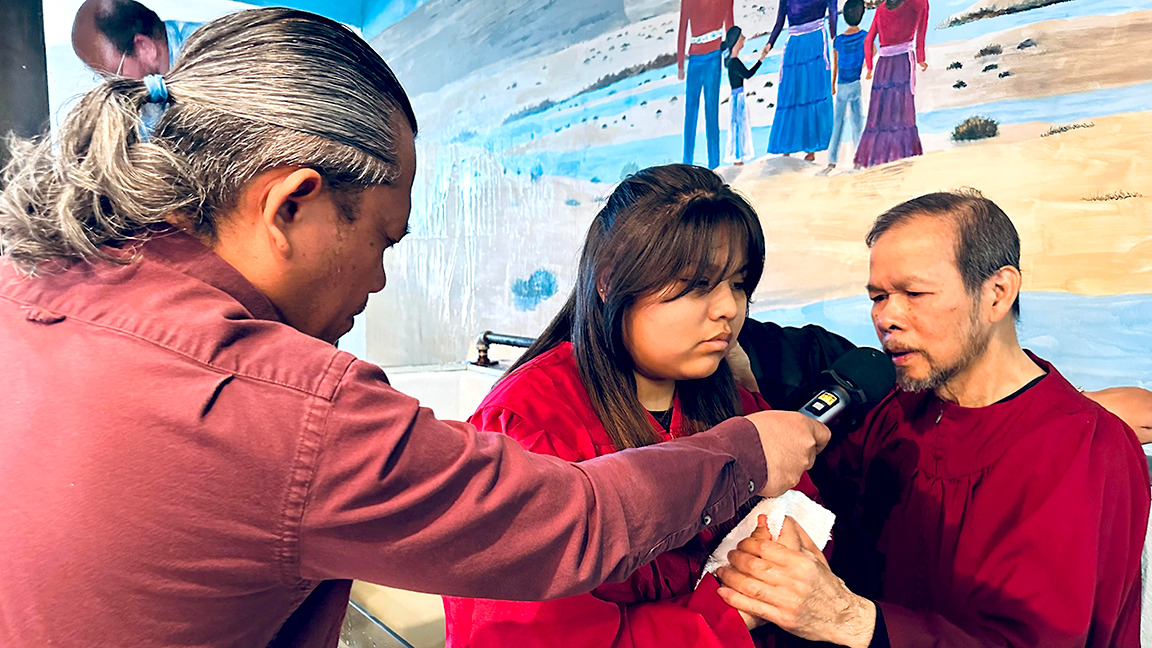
(985, 502)
(703, 24)
(660, 297)
(890, 132)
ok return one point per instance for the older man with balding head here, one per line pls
(125, 38)
(985, 502)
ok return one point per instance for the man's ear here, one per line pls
(285, 201)
(146, 51)
(1002, 288)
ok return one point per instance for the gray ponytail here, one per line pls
(251, 91)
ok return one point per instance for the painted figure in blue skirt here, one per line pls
(803, 120)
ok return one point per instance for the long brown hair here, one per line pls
(659, 225)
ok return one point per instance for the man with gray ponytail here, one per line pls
(188, 460)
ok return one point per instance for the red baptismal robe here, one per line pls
(545, 407)
(1016, 524)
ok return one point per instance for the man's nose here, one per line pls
(888, 314)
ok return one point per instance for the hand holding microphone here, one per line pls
(791, 442)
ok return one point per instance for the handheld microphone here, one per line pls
(861, 377)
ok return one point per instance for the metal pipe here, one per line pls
(488, 338)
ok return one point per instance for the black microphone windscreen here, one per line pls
(869, 370)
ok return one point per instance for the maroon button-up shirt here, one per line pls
(178, 467)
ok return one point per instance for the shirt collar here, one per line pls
(186, 255)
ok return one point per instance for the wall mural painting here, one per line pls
(532, 111)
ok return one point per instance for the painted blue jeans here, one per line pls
(703, 74)
(847, 108)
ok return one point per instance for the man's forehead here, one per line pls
(923, 224)
(919, 246)
(96, 51)
(407, 150)
(385, 206)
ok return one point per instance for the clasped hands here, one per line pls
(786, 581)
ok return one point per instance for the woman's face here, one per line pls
(687, 337)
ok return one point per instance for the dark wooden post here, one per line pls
(23, 70)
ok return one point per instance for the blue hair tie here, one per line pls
(157, 91)
(154, 108)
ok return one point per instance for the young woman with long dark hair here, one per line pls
(635, 357)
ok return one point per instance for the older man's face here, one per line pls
(97, 52)
(927, 322)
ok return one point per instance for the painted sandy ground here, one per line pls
(816, 225)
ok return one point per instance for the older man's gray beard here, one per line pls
(976, 342)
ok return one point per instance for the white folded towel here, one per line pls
(816, 521)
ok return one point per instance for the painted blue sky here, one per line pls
(371, 16)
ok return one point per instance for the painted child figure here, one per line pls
(847, 61)
(739, 147)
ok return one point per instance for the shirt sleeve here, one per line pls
(384, 492)
(870, 39)
(1059, 557)
(741, 70)
(880, 632)
(671, 574)
(682, 34)
(781, 14)
(529, 435)
(921, 32)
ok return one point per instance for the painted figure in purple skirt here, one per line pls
(890, 133)
(803, 119)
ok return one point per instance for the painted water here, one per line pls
(1095, 342)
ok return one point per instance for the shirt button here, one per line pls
(751, 486)
(707, 520)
